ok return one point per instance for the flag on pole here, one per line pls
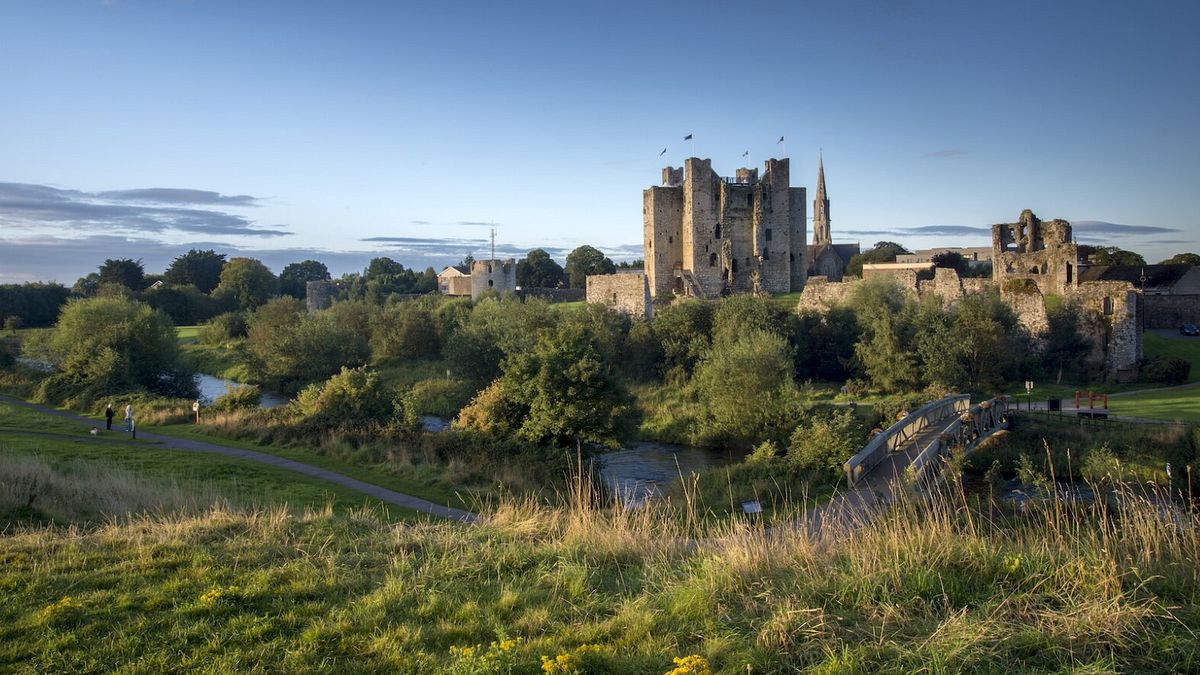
(744, 154)
(779, 141)
(663, 152)
(688, 137)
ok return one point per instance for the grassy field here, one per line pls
(396, 477)
(187, 334)
(1170, 404)
(1186, 348)
(65, 446)
(928, 589)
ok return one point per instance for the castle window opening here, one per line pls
(734, 263)
(766, 254)
(614, 298)
(712, 259)
(1108, 306)
(489, 269)
(491, 283)
(670, 240)
(1070, 268)
(768, 234)
(717, 232)
(750, 200)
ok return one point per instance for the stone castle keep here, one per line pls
(707, 235)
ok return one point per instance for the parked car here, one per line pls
(1189, 329)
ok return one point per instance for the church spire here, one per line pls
(821, 208)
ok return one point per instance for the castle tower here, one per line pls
(821, 209)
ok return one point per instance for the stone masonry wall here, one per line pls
(1169, 311)
(627, 293)
(493, 275)
(318, 295)
(1108, 318)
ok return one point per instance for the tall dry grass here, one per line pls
(31, 487)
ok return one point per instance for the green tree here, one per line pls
(36, 303)
(1111, 255)
(585, 261)
(739, 314)
(1182, 259)
(825, 442)
(938, 346)
(349, 400)
(405, 330)
(882, 252)
(1066, 349)
(746, 391)
(201, 269)
(247, 283)
(123, 271)
(539, 270)
(952, 260)
(684, 329)
(989, 339)
(116, 344)
(824, 343)
(86, 286)
(884, 350)
(294, 278)
(567, 390)
(186, 305)
(290, 348)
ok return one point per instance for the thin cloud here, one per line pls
(947, 153)
(1100, 227)
(153, 210)
(927, 231)
(420, 222)
(475, 223)
(178, 196)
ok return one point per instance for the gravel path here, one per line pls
(187, 445)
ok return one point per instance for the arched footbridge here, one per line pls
(915, 448)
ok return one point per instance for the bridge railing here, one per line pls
(885, 442)
(967, 431)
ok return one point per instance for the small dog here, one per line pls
(94, 431)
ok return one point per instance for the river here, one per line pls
(211, 387)
(644, 470)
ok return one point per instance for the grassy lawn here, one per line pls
(187, 334)
(393, 477)
(1175, 404)
(243, 481)
(924, 589)
(1187, 349)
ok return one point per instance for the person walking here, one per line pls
(128, 417)
(108, 415)
(196, 409)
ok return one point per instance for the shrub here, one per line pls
(223, 327)
(756, 367)
(1166, 369)
(350, 399)
(825, 442)
(244, 397)
(440, 397)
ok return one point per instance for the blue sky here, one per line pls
(341, 131)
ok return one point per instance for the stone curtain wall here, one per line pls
(626, 293)
(318, 295)
(554, 294)
(1169, 311)
(1108, 317)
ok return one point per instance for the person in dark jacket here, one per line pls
(108, 415)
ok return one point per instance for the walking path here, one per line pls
(188, 445)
